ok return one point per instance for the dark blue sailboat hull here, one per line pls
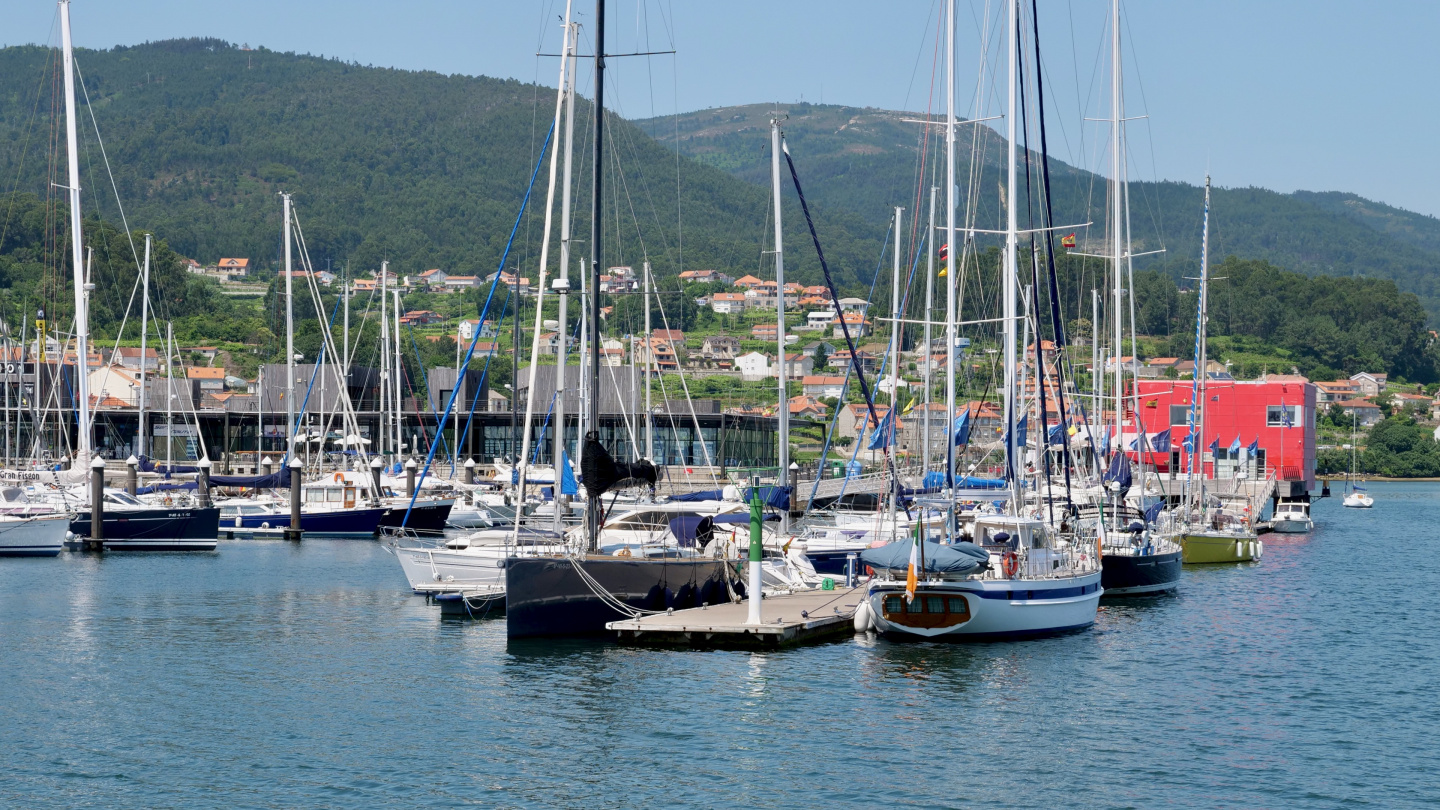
(162, 528)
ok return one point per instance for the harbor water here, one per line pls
(277, 674)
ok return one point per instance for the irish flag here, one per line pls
(912, 576)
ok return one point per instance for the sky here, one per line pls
(1323, 95)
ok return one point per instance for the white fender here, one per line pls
(864, 617)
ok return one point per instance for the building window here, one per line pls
(1179, 414)
(1275, 415)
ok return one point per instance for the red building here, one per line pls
(1252, 411)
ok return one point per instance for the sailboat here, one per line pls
(127, 524)
(1208, 534)
(1355, 495)
(1019, 577)
(1135, 561)
(578, 592)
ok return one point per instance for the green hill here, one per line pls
(421, 169)
(865, 161)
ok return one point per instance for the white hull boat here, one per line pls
(1292, 518)
(39, 536)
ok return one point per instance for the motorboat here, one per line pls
(1019, 579)
(1292, 517)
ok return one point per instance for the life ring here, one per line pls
(339, 478)
(1010, 564)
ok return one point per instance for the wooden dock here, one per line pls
(789, 620)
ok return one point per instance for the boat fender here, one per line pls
(864, 619)
(1010, 564)
(1259, 548)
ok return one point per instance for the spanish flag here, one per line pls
(1152, 403)
(1067, 241)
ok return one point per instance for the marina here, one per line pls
(286, 673)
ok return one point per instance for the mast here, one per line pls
(169, 394)
(1095, 387)
(597, 174)
(385, 381)
(649, 365)
(783, 403)
(1198, 446)
(1012, 242)
(950, 277)
(289, 340)
(144, 327)
(929, 303)
(77, 256)
(399, 373)
(1116, 235)
(562, 281)
(894, 366)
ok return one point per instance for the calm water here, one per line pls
(268, 674)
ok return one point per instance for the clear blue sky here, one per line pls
(1285, 94)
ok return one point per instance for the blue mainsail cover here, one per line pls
(279, 480)
(700, 495)
(773, 497)
(959, 558)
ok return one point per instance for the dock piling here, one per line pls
(293, 531)
(97, 505)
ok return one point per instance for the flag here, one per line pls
(1073, 430)
(1253, 451)
(1057, 435)
(1105, 441)
(1020, 431)
(961, 428)
(910, 407)
(1152, 403)
(1160, 443)
(912, 575)
(1189, 443)
(1285, 416)
(1067, 241)
(1215, 447)
(944, 254)
(880, 439)
(1235, 446)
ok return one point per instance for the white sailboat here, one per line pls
(1019, 578)
(1355, 495)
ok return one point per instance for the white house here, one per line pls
(1371, 383)
(854, 305)
(115, 382)
(820, 319)
(753, 366)
(823, 386)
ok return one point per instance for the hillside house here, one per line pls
(420, 317)
(807, 407)
(115, 382)
(820, 319)
(720, 347)
(748, 282)
(657, 351)
(706, 277)
(798, 365)
(232, 269)
(1337, 391)
(127, 357)
(859, 305)
(855, 417)
(205, 381)
(764, 331)
(1372, 384)
(854, 322)
(1366, 413)
(824, 386)
(728, 303)
(753, 366)
(434, 278)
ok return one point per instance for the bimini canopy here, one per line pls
(958, 558)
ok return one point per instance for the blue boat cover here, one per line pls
(773, 497)
(189, 485)
(691, 531)
(278, 480)
(959, 558)
(936, 479)
(738, 517)
(702, 495)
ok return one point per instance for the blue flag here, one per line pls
(1020, 431)
(1056, 435)
(567, 476)
(1189, 443)
(880, 439)
(1105, 441)
(1161, 441)
(1215, 447)
(1285, 417)
(961, 428)
(1254, 448)
(1235, 446)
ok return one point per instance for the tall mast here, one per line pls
(144, 327)
(597, 165)
(894, 365)
(649, 365)
(399, 370)
(289, 341)
(783, 403)
(169, 394)
(385, 381)
(950, 277)
(562, 281)
(1116, 234)
(929, 367)
(1012, 243)
(1197, 447)
(77, 256)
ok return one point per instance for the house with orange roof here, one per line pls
(748, 282)
(807, 407)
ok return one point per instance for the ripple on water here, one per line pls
(270, 673)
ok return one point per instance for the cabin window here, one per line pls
(894, 604)
(958, 605)
(934, 604)
(332, 495)
(915, 606)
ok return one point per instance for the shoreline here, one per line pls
(1329, 478)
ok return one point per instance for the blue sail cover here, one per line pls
(959, 558)
(1119, 471)
(701, 495)
(773, 497)
(279, 480)
(187, 486)
(936, 480)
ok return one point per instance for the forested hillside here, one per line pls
(418, 168)
(868, 161)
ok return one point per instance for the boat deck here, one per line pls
(788, 620)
